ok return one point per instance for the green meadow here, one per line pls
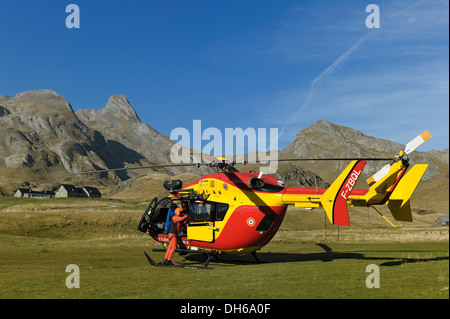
(308, 258)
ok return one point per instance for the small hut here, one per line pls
(441, 221)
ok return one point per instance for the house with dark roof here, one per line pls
(92, 192)
(66, 190)
(29, 193)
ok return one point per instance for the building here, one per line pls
(66, 190)
(20, 192)
(92, 192)
(441, 221)
(29, 193)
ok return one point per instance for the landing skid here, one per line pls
(256, 257)
(210, 255)
(205, 266)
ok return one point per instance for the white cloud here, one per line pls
(406, 100)
(395, 83)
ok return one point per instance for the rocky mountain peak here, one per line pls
(321, 125)
(327, 128)
(120, 106)
(31, 103)
(118, 121)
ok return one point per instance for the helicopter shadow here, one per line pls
(328, 255)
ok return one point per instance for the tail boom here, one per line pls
(394, 189)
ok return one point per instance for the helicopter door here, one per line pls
(201, 221)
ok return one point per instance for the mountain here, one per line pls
(118, 121)
(43, 139)
(43, 142)
(327, 140)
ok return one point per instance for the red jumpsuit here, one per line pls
(178, 220)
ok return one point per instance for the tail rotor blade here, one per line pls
(415, 143)
(410, 147)
(379, 175)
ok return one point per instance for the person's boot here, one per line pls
(168, 262)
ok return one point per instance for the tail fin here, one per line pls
(334, 200)
(398, 202)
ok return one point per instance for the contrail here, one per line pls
(327, 71)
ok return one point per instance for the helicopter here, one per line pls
(232, 212)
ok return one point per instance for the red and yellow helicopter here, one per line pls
(238, 213)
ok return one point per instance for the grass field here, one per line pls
(39, 238)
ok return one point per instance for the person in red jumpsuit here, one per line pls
(176, 225)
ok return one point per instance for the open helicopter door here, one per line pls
(201, 221)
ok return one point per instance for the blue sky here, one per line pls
(259, 64)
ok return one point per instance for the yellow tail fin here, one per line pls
(398, 202)
(334, 200)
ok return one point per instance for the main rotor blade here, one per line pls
(140, 167)
(218, 164)
(336, 159)
(321, 159)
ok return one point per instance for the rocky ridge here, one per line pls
(43, 141)
(327, 140)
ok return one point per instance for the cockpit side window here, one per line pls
(207, 211)
(221, 211)
(201, 211)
